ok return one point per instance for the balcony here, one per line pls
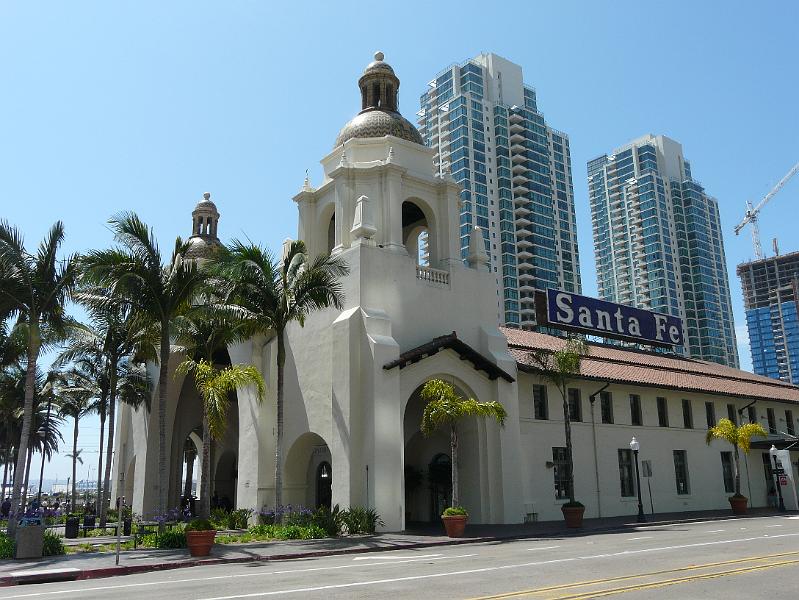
(431, 275)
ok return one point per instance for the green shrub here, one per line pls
(199, 525)
(455, 511)
(53, 545)
(6, 546)
(170, 539)
(361, 520)
(328, 520)
(219, 518)
(238, 519)
(286, 532)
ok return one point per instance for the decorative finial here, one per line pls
(306, 186)
(390, 154)
(379, 56)
(207, 196)
(343, 162)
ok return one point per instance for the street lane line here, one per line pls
(543, 548)
(716, 531)
(100, 588)
(564, 586)
(668, 582)
(644, 537)
(489, 569)
(773, 525)
(395, 557)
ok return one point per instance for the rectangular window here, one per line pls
(727, 472)
(663, 412)
(626, 472)
(635, 410)
(751, 413)
(560, 472)
(681, 472)
(731, 414)
(789, 422)
(710, 414)
(772, 420)
(687, 415)
(575, 410)
(540, 403)
(606, 405)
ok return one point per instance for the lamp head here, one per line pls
(634, 445)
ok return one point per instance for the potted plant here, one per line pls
(200, 536)
(455, 518)
(444, 408)
(560, 367)
(740, 436)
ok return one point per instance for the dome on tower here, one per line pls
(205, 219)
(379, 114)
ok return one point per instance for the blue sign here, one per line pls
(607, 319)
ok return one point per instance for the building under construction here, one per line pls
(771, 294)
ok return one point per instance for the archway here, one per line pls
(428, 467)
(225, 478)
(417, 233)
(308, 472)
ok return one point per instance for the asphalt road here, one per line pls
(736, 558)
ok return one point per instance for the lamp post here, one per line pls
(777, 472)
(42, 433)
(635, 446)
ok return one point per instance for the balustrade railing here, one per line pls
(432, 275)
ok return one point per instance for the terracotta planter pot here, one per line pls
(738, 504)
(200, 542)
(573, 516)
(455, 525)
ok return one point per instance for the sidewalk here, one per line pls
(94, 565)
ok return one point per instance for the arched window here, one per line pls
(324, 481)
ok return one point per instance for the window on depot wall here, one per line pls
(540, 403)
(710, 414)
(727, 472)
(751, 414)
(687, 414)
(731, 414)
(636, 418)
(681, 472)
(606, 406)
(663, 412)
(575, 410)
(772, 420)
(560, 471)
(789, 425)
(626, 472)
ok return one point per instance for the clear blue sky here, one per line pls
(109, 106)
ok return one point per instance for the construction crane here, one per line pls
(752, 213)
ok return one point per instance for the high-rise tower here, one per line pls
(515, 170)
(658, 244)
(771, 298)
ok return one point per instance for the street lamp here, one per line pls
(777, 472)
(635, 446)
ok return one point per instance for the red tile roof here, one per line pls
(608, 363)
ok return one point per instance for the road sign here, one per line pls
(783, 480)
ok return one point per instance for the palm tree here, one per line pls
(206, 330)
(272, 295)
(560, 367)
(135, 272)
(36, 287)
(189, 456)
(445, 408)
(115, 335)
(77, 394)
(740, 436)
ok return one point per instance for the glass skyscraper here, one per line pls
(771, 292)
(484, 124)
(658, 243)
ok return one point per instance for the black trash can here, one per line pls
(89, 522)
(72, 527)
(126, 526)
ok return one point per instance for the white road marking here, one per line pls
(645, 537)
(716, 531)
(394, 557)
(485, 569)
(773, 525)
(216, 577)
(44, 571)
(543, 548)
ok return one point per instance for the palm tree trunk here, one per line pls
(74, 463)
(163, 380)
(567, 426)
(205, 475)
(281, 365)
(737, 472)
(5, 478)
(453, 447)
(112, 401)
(28, 470)
(27, 415)
(100, 458)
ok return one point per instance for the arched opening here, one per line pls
(331, 233)
(324, 483)
(192, 457)
(416, 234)
(308, 472)
(428, 466)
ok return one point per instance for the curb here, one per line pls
(72, 574)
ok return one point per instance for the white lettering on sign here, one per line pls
(565, 312)
(660, 327)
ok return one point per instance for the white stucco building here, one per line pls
(352, 406)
